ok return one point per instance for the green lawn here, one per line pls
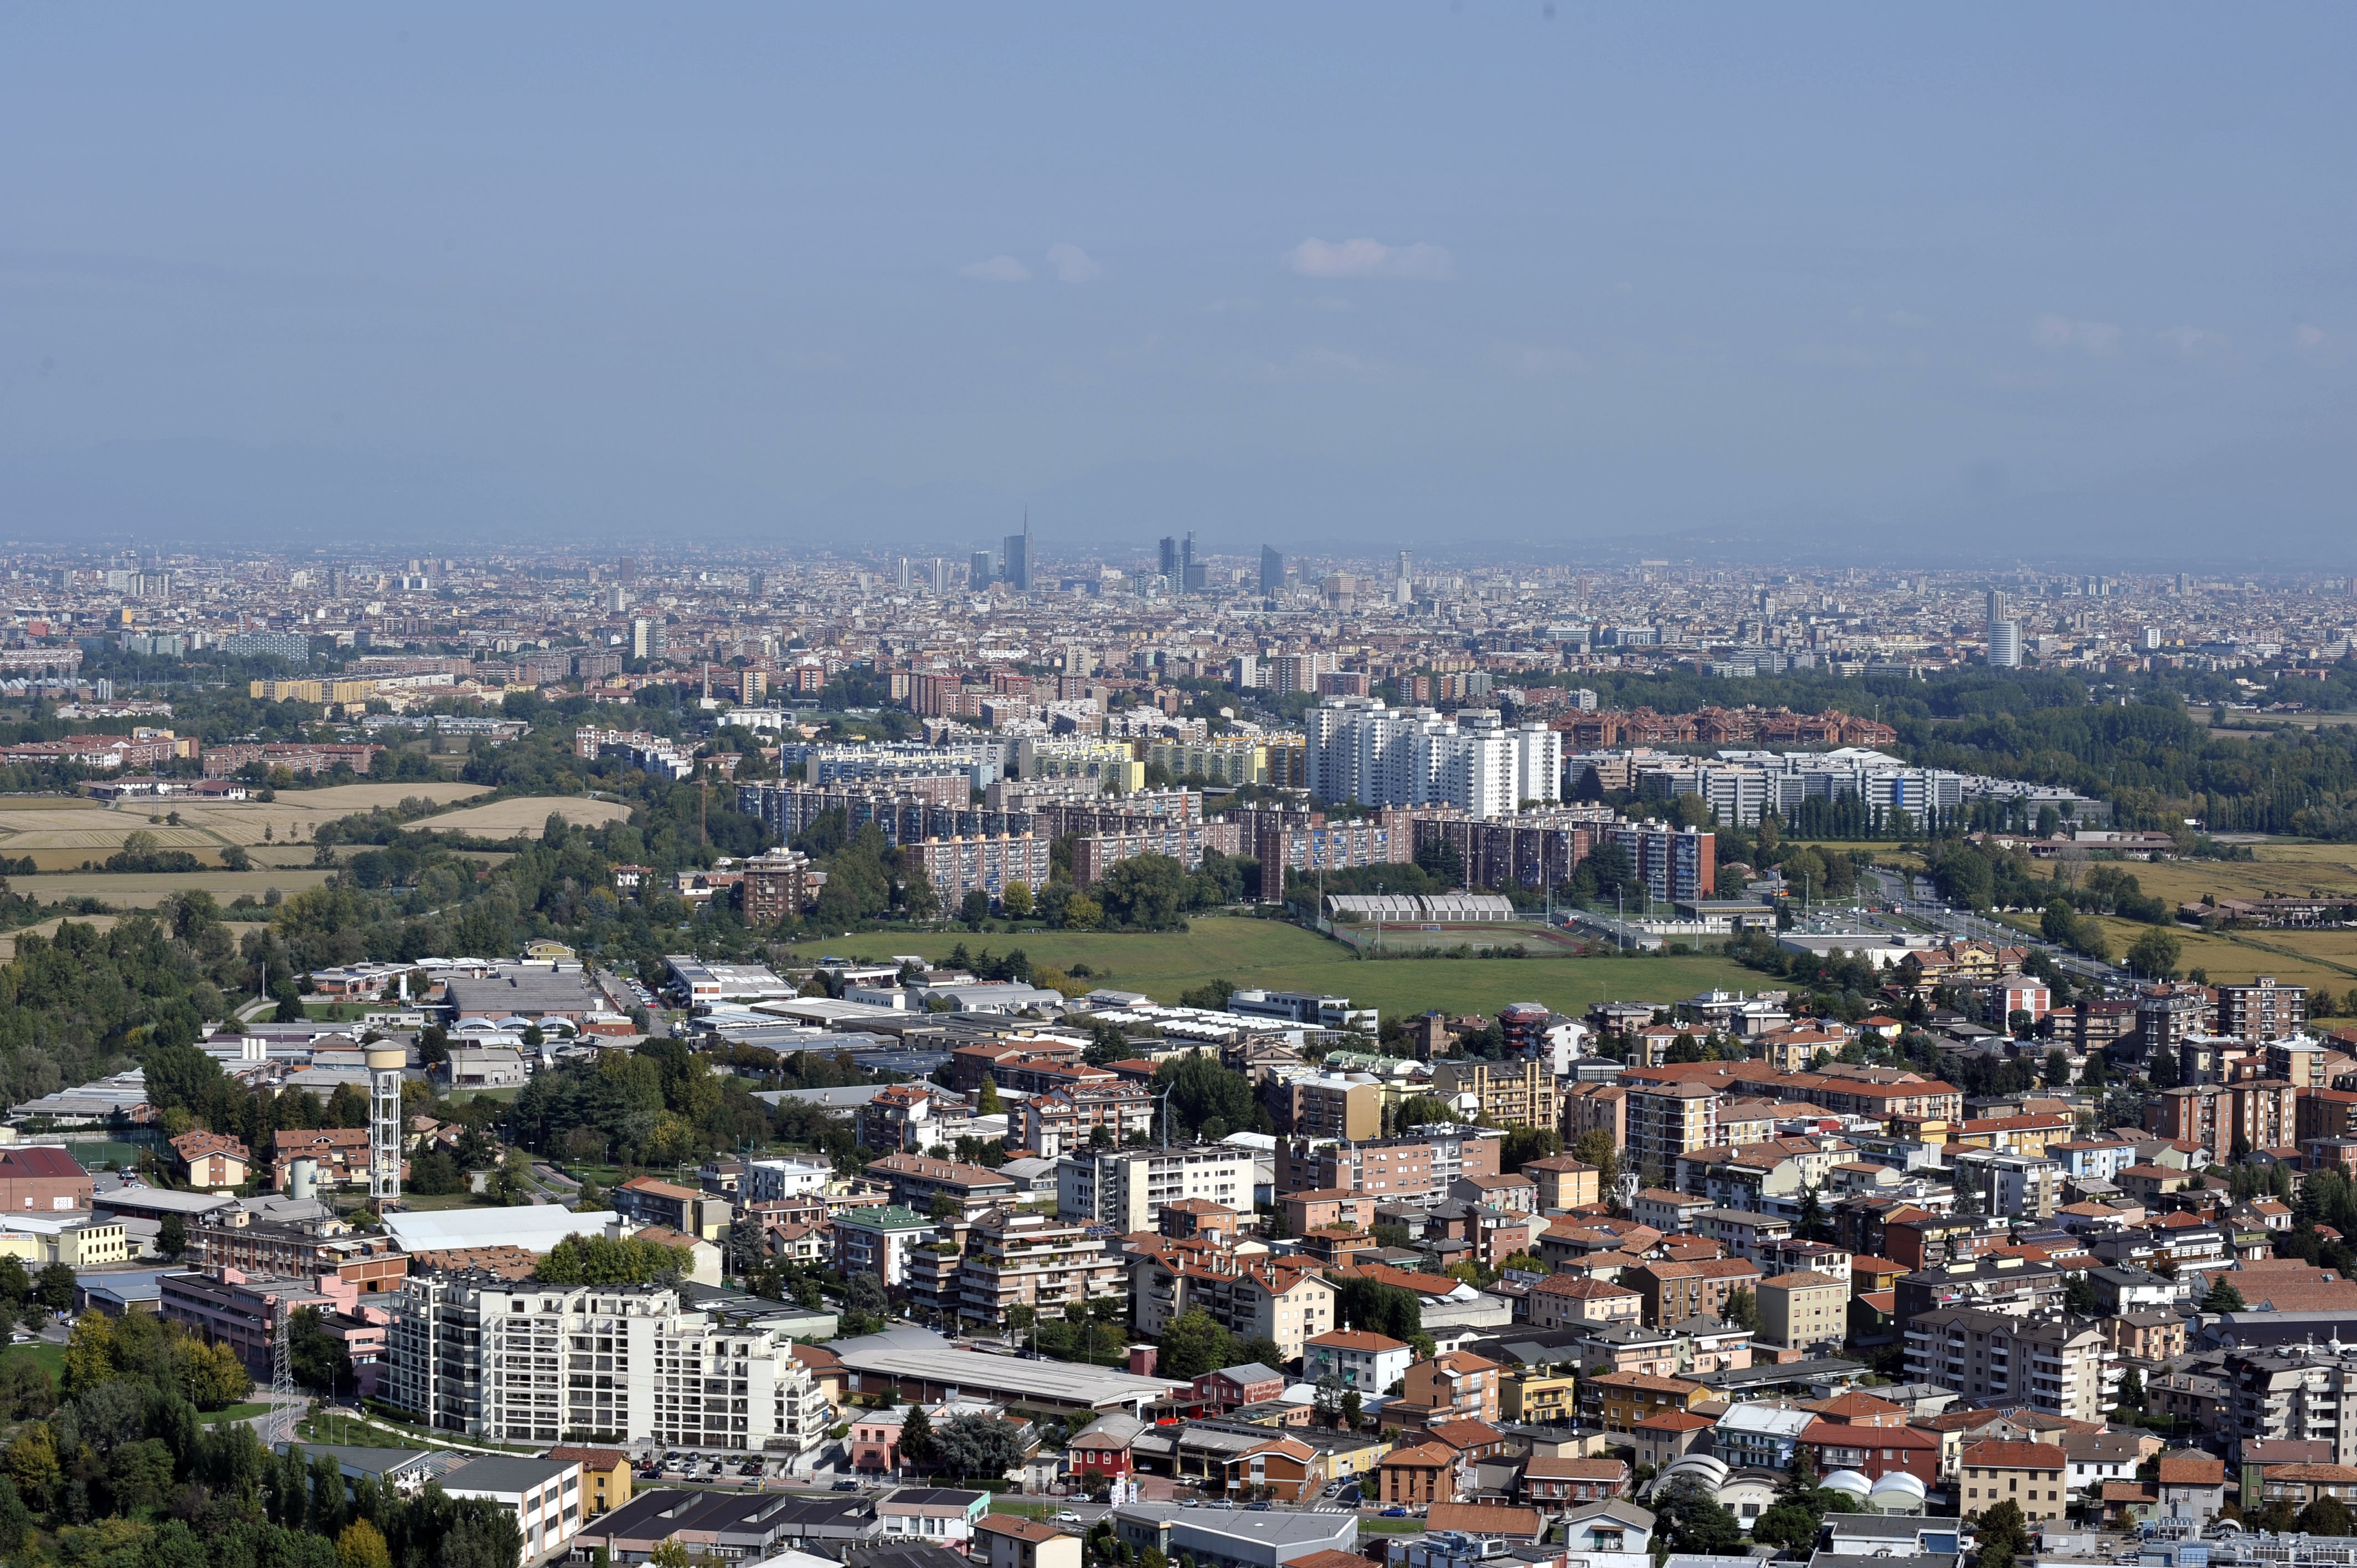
(1372, 1525)
(50, 1358)
(1284, 957)
(245, 1412)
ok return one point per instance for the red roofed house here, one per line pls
(1667, 1436)
(1008, 1541)
(2192, 1486)
(1458, 1386)
(1230, 1387)
(1419, 1476)
(341, 1153)
(1101, 1451)
(1876, 1450)
(42, 1181)
(2027, 1474)
(214, 1162)
(1562, 1300)
(1557, 1484)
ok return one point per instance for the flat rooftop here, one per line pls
(919, 1355)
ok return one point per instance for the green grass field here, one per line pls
(1271, 954)
(50, 1358)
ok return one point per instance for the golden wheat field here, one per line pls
(528, 813)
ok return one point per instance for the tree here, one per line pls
(2222, 1296)
(2325, 1516)
(1262, 1349)
(2132, 1390)
(611, 1260)
(2002, 1535)
(1742, 1308)
(1598, 1149)
(319, 1359)
(1350, 1410)
(1017, 901)
(916, 1447)
(1326, 1398)
(89, 1353)
(2057, 1067)
(15, 1518)
(54, 1287)
(1696, 1522)
(865, 1294)
(1192, 1344)
(1813, 1225)
(986, 1102)
(171, 1236)
(360, 1546)
(977, 1448)
(2154, 954)
(975, 908)
(1785, 1524)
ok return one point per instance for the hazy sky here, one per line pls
(2054, 280)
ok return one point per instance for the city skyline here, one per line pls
(1513, 280)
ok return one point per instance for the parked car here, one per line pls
(1190, 1502)
(1068, 1517)
(1395, 1513)
(1256, 1508)
(847, 1486)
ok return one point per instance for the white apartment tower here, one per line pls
(1362, 750)
(514, 1362)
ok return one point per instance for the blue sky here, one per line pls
(2062, 282)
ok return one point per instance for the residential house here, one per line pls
(1458, 1385)
(210, 1161)
(1370, 1363)
(2192, 1486)
(1004, 1541)
(1417, 1476)
(2029, 1475)
(1560, 1483)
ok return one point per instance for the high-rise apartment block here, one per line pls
(2265, 1009)
(1127, 1188)
(1361, 750)
(512, 1361)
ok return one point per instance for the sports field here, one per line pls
(1275, 956)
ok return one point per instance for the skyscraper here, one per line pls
(1014, 559)
(1272, 571)
(907, 574)
(977, 571)
(1191, 572)
(2005, 645)
(1171, 559)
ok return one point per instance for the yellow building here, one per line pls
(343, 691)
(1240, 760)
(1534, 1396)
(1511, 1094)
(1799, 1311)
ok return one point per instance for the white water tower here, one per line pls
(384, 1064)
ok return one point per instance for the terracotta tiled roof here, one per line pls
(2192, 1471)
(1999, 1456)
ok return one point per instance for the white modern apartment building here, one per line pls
(514, 1361)
(1126, 1188)
(1358, 749)
(1740, 785)
(776, 1180)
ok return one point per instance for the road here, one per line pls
(1916, 898)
